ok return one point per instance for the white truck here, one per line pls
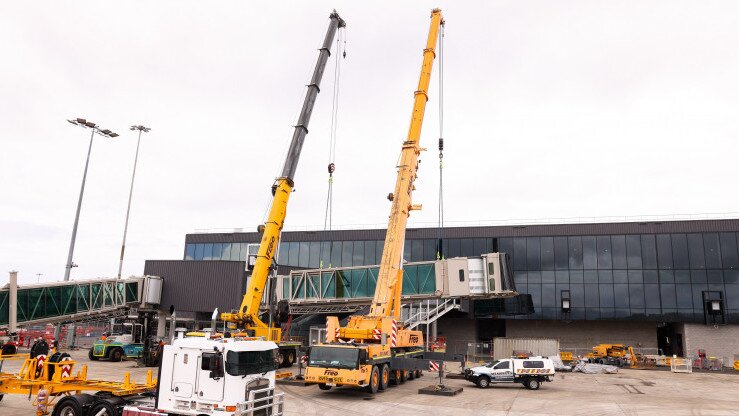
(530, 372)
(202, 375)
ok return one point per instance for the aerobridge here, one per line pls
(75, 300)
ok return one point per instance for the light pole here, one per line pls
(105, 133)
(38, 277)
(141, 129)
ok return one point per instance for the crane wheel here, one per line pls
(403, 376)
(411, 375)
(418, 373)
(384, 376)
(324, 387)
(374, 383)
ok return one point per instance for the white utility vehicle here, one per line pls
(530, 372)
(206, 375)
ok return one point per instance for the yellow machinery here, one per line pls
(369, 351)
(613, 354)
(247, 317)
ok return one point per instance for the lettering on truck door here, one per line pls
(502, 372)
(183, 374)
(209, 388)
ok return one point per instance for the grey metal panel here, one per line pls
(200, 286)
(654, 227)
(504, 347)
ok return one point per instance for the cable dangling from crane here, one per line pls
(328, 219)
(440, 236)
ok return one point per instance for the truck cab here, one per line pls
(530, 372)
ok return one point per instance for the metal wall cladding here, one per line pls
(537, 230)
(504, 347)
(200, 286)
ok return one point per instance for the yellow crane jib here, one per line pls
(247, 316)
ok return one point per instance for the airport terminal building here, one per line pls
(672, 285)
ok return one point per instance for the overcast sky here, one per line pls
(552, 109)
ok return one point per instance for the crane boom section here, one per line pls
(390, 278)
(248, 313)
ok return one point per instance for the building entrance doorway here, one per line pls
(669, 339)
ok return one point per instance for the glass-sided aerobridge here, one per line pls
(348, 289)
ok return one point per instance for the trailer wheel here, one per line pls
(374, 383)
(9, 349)
(483, 382)
(1, 397)
(384, 376)
(323, 386)
(91, 356)
(116, 355)
(72, 405)
(106, 407)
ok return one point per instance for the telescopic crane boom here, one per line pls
(247, 317)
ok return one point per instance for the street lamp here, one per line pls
(105, 133)
(141, 129)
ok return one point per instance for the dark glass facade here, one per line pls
(654, 277)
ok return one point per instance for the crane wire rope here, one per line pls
(440, 232)
(328, 218)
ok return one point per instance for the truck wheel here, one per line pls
(374, 383)
(9, 349)
(384, 376)
(116, 354)
(534, 384)
(323, 386)
(483, 382)
(91, 356)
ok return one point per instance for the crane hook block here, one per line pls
(390, 197)
(260, 228)
(331, 168)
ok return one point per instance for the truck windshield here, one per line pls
(334, 357)
(242, 363)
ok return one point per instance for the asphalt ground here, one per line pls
(630, 392)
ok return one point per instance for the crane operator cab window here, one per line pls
(331, 357)
(243, 363)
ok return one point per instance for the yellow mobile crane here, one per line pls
(247, 317)
(372, 349)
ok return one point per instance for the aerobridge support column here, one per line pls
(13, 302)
(161, 324)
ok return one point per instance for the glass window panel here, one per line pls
(732, 296)
(325, 254)
(682, 276)
(533, 253)
(547, 253)
(606, 295)
(621, 295)
(603, 244)
(633, 252)
(328, 285)
(636, 276)
(534, 277)
(244, 251)
(335, 254)
(576, 276)
(505, 245)
(347, 253)
(575, 244)
(561, 276)
(235, 251)
(548, 296)
(684, 296)
(429, 249)
(198, 251)
(343, 284)
(407, 250)
(731, 276)
(591, 276)
(620, 276)
(648, 252)
(520, 278)
(358, 254)
(314, 250)
(695, 251)
(479, 246)
(698, 276)
(636, 295)
(416, 250)
(293, 254)
(714, 276)
(651, 295)
(667, 292)
(664, 251)
(535, 292)
(226, 251)
(207, 251)
(561, 253)
(651, 276)
(680, 257)
(577, 295)
(467, 248)
(618, 251)
(605, 276)
(519, 253)
(589, 253)
(304, 254)
(666, 276)
(591, 295)
(369, 253)
(190, 252)
(453, 247)
(217, 251)
(547, 276)
(729, 255)
(712, 251)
